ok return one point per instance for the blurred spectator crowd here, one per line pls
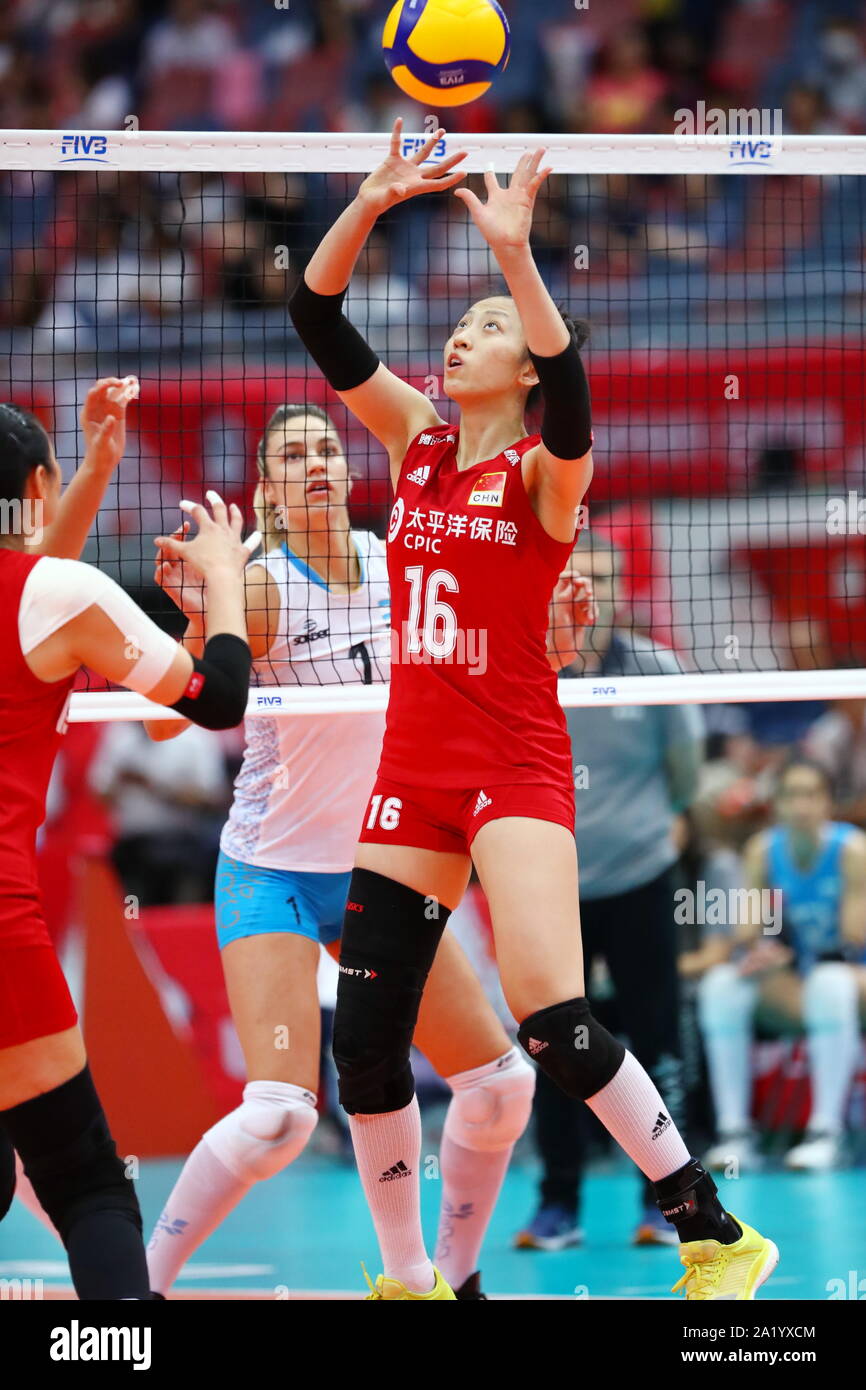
(205, 262)
(625, 65)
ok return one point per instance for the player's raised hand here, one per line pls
(573, 609)
(103, 421)
(397, 179)
(506, 218)
(217, 547)
(184, 588)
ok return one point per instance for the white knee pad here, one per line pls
(726, 1001)
(830, 998)
(491, 1104)
(266, 1132)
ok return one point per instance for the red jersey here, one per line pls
(31, 721)
(473, 698)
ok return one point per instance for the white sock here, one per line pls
(632, 1110)
(388, 1154)
(254, 1142)
(471, 1182)
(490, 1108)
(830, 1014)
(204, 1193)
(726, 1007)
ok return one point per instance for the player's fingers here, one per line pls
(450, 179)
(124, 391)
(102, 384)
(521, 168)
(103, 431)
(535, 183)
(468, 197)
(195, 510)
(218, 507)
(445, 165)
(167, 545)
(395, 136)
(425, 149)
(253, 541)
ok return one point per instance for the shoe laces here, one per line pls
(702, 1276)
(374, 1292)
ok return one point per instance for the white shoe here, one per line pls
(738, 1149)
(816, 1154)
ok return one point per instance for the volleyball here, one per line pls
(446, 52)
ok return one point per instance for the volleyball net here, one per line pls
(723, 281)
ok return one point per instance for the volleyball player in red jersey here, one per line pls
(476, 758)
(56, 615)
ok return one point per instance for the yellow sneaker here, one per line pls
(726, 1272)
(393, 1289)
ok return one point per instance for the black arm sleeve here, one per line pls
(216, 695)
(344, 358)
(566, 426)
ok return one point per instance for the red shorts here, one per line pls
(433, 818)
(34, 996)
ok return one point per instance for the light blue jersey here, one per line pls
(812, 897)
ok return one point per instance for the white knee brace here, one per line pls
(266, 1132)
(726, 1000)
(491, 1104)
(830, 998)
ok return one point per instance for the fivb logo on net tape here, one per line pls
(411, 144)
(747, 138)
(84, 149)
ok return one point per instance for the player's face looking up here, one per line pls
(489, 342)
(306, 475)
(802, 800)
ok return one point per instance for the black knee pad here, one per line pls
(390, 938)
(68, 1153)
(572, 1047)
(7, 1173)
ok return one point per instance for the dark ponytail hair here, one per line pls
(24, 445)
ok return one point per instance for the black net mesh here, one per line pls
(725, 361)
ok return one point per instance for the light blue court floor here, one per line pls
(305, 1232)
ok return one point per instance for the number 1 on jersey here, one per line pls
(439, 644)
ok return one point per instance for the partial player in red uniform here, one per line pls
(56, 615)
(476, 756)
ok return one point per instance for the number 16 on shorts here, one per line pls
(384, 812)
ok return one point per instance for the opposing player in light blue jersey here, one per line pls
(318, 614)
(799, 958)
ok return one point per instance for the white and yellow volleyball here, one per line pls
(446, 52)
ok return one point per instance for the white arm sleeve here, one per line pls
(56, 591)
